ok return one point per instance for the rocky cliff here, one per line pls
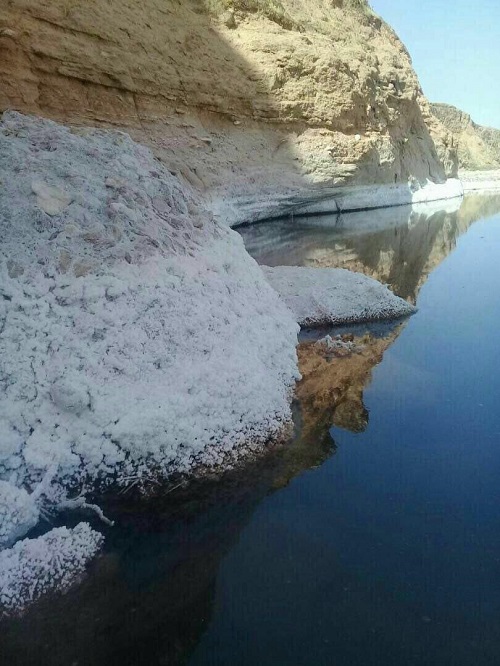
(250, 101)
(478, 147)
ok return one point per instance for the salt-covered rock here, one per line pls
(18, 513)
(135, 338)
(52, 200)
(335, 296)
(11, 440)
(51, 563)
(70, 397)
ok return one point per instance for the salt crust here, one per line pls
(50, 563)
(133, 334)
(137, 337)
(18, 513)
(335, 296)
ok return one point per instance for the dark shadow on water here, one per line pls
(150, 596)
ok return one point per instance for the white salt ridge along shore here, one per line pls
(137, 336)
(340, 199)
(132, 337)
(51, 563)
(480, 181)
(367, 197)
(335, 296)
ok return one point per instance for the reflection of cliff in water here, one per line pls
(399, 246)
(332, 385)
(149, 599)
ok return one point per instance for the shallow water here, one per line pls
(374, 537)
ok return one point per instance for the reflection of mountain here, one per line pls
(398, 246)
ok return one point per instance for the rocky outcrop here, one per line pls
(261, 105)
(478, 147)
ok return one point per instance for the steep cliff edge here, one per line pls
(478, 147)
(263, 105)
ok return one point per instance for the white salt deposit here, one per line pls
(136, 336)
(337, 345)
(51, 563)
(334, 296)
(312, 199)
(480, 181)
(18, 513)
(133, 333)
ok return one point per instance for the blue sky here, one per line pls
(455, 47)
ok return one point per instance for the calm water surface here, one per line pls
(374, 538)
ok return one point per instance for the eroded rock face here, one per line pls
(478, 147)
(238, 97)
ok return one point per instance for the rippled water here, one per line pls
(374, 537)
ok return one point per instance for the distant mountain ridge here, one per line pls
(478, 147)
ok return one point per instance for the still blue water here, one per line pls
(389, 553)
(370, 545)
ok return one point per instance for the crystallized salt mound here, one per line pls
(334, 296)
(18, 513)
(51, 563)
(135, 333)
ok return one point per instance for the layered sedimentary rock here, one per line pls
(261, 105)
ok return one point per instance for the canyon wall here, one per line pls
(261, 105)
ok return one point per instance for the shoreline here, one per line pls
(242, 211)
(360, 198)
(480, 181)
(119, 264)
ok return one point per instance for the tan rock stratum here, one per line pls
(247, 100)
(478, 147)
